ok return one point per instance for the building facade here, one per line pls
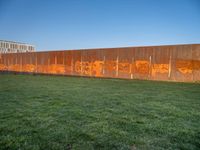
(15, 47)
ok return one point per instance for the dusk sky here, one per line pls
(75, 24)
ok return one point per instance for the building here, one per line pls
(15, 47)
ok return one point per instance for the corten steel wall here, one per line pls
(174, 63)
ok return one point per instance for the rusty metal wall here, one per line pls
(171, 63)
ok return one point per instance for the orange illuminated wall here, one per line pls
(174, 63)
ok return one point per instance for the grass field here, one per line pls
(52, 112)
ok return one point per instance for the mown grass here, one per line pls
(51, 112)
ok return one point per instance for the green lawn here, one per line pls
(55, 112)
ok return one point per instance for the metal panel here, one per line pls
(68, 61)
(142, 63)
(196, 62)
(183, 63)
(77, 63)
(110, 65)
(98, 64)
(160, 63)
(125, 62)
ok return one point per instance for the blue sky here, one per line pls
(75, 24)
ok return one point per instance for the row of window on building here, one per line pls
(14, 47)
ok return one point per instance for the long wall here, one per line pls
(172, 63)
